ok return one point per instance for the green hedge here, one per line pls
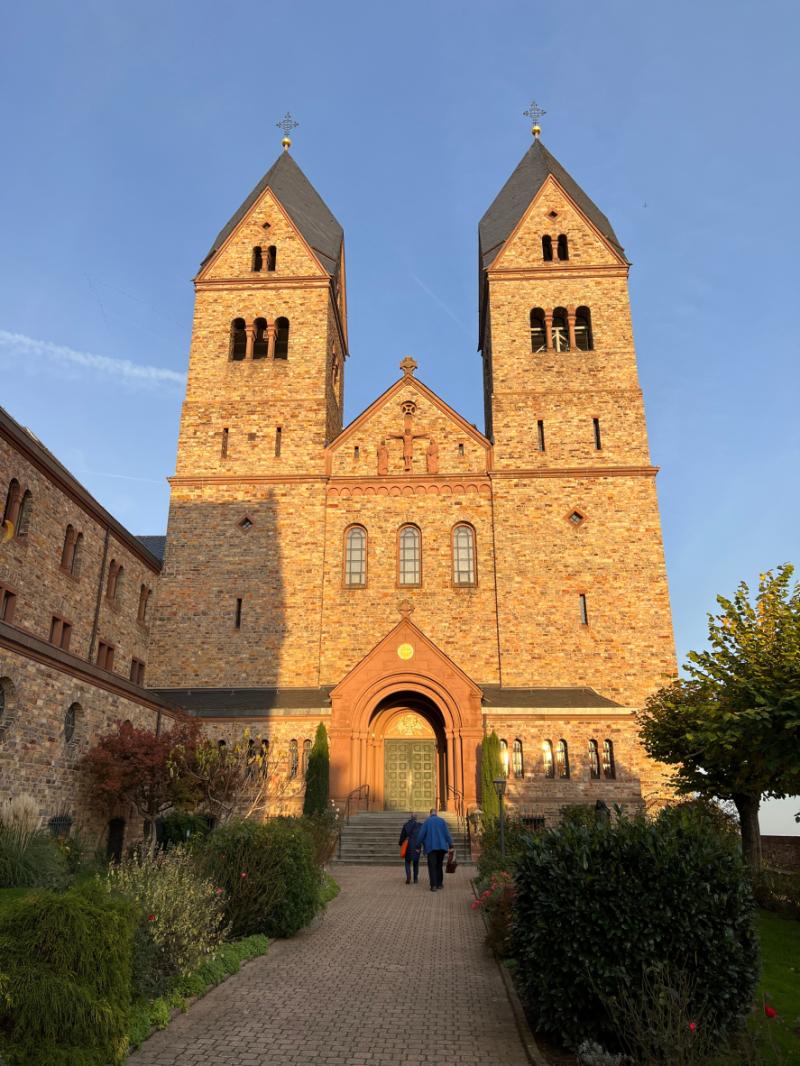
(600, 910)
(267, 872)
(65, 988)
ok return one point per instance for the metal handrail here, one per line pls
(346, 819)
(463, 822)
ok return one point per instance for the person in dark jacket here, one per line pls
(410, 832)
(435, 838)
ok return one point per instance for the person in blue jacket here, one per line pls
(435, 838)
(410, 832)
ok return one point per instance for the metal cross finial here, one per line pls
(534, 113)
(287, 124)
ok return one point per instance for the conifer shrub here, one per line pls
(491, 768)
(317, 774)
(600, 909)
(65, 988)
(267, 872)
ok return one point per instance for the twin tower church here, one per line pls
(409, 581)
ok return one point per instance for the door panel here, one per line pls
(409, 775)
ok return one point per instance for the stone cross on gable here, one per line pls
(408, 366)
(408, 436)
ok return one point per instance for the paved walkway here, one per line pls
(393, 974)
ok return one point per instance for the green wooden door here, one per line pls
(409, 775)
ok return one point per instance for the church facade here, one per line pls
(408, 580)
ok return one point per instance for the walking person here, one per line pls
(410, 832)
(435, 838)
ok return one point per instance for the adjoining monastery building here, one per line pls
(407, 580)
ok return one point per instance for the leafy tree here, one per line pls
(131, 767)
(491, 768)
(317, 774)
(732, 729)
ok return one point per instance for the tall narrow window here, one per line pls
(25, 509)
(144, 600)
(13, 500)
(464, 572)
(609, 769)
(516, 759)
(260, 339)
(105, 655)
(281, 338)
(71, 722)
(504, 756)
(584, 609)
(583, 330)
(68, 551)
(223, 451)
(60, 632)
(540, 434)
(538, 331)
(306, 755)
(137, 671)
(410, 556)
(238, 339)
(355, 557)
(563, 247)
(272, 257)
(594, 761)
(8, 603)
(547, 759)
(258, 259)
(237, 614)
(560, 330)
(278, 439)
(598, 441)
(293, 758)
(562, 759)
(111, 583)
(547, 248)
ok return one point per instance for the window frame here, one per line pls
(60, 632)
(562, 760)
(137, 671)
(517, 749)
(353, 528)
(409, 584)
(294, 759)
(474, 548)
(8, 604)
(609, 774)
(595, 771)
(105, 650)
(548, 760)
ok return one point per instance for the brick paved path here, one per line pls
(393, 974)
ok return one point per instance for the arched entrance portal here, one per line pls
(410, 767)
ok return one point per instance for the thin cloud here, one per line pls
(123, 370)
(437, 299)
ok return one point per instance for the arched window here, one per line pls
(238, 339)
(281, 338)
(609, 769)
(144, 600)
(560, 330)
(6, 703)
(272, 257)
(409, 556)
(25, 509)
(594, 761)
(258, 259)
(504, 756)
(71, 722)
(562, 758)
(547, 758)
(13, 498)
(563, 247)
(260, 343)
(306, 755)
(516, 759)
(292, 758)
(111, 584)
(464, 569)
(538, 331)
(76, 555)
(355, 557)
(68, 551)
(547, 248)
(583, 330)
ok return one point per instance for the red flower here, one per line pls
(475, 904)
(693, 1026)
(151, 917)
(243, 874)
(219, 891)
(770, 1011)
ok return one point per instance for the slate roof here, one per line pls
(515, 197)
(155, 545)
(244, 702)
(306, 208)
(495, 696)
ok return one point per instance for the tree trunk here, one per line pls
(747, 807)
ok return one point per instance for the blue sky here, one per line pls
(132, 132)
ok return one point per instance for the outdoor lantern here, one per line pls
(499, 786)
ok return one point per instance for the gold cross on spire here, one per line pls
(534, 113)
(287, 124)
(408, 366)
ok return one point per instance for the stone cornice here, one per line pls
(576, 471)
(421, 485)
(547, 271)
(260, 281)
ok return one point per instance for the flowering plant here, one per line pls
(496, 902)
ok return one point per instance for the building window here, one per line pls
(504, 756)
(105, 655)
(609, 768)
(464, 572)
(237, 614)
(562, 758)
(68, 551)
(281, 338)
(71, 722)
(598, 440)
(260, 341)
(13, 498)
(238, 339)
(293, 758)
(583, 608)
(306, 756)
(410, 556)
(547, 248)
(516, 759)
(272, 257)
(560, 330)
(6, 700)
(144, 600)
(278, 441)
(547, 759)
(540, 434)
(594, 761)
(223, 450)
(576, 518)
(137, 671)
(114, 583)
(258, 259)
(60, 632)
(583, 330)
(355, 557)
(563, 246)
(538, 330)
(8, 604)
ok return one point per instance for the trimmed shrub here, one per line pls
(323, 830)
(66, 982)
(182, 914)
(179, 827)
(267, 872)
(599, 909)
(490, 860)
(317, 774)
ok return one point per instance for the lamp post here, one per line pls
(500, 788)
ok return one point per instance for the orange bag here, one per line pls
(404, 848)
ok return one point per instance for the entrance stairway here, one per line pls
(371, 838)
